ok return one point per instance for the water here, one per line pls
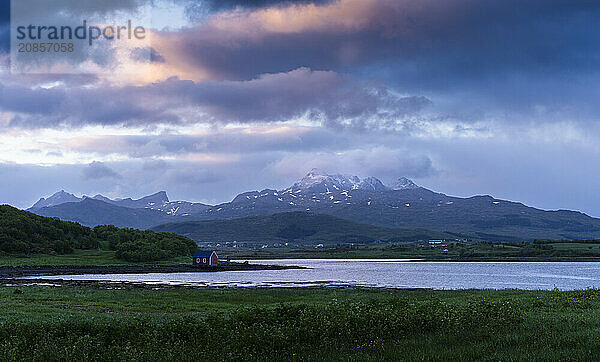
(384, 273)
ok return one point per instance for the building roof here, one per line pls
(203, 253)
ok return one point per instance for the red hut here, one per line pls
(203, 257)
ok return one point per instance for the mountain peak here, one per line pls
(319, 181)
(316, 172)
(314, 177)
(57, 198)
(373, 184)
(160, 196)
(61, 194)
(404, 183)
(101, 198)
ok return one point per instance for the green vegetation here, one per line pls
(294, 226)
(29, 239)
(83, 323)
(82, 257)
(137, 245)
(25, 234)
(451, 250)
(77, 257)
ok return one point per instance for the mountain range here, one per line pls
(403, 204)
(158, 202)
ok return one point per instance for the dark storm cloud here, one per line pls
(255, 4)
(4, 39)
(507, 54)
(459, 39)
(61, 106)
(242, 55)
(4, 12)
(334, 100)
(282, 139)
(60, 8)
(513, 53)
(197, 10)
(279, 97)
(39, 101)
(98, 170)
(4, 26)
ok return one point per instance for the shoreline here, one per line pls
(111, 284)
(52, 270)
(435, 259)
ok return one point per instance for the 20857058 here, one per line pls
(48, 47)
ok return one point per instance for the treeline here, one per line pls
(26, 233)
(574, 241)
(22, 232)
(144, 245)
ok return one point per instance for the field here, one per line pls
(83, 323)
(552, 250)
(455, 251)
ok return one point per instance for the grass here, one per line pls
(90, 323)
(80, 257)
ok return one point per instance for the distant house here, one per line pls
(205, 257)
(434, 243)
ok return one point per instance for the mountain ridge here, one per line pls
(367, 200)
(91, 212)
(158, 201)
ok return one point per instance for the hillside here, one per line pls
(409, 206)
(293, 226)
(91, 212)
(22, 232)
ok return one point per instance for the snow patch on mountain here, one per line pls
(404, 184)
(319, 181)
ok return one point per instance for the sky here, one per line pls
(464, 97)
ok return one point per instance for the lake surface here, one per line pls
(384, 273)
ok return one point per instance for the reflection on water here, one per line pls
(384, 273)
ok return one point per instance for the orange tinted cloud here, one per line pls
(344, 15)
(213, 50)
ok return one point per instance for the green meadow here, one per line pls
(94, 323)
